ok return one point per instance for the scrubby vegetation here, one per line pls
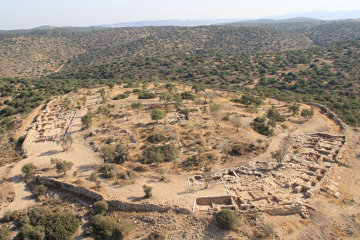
(158, 154)
(41, 224)
(227, 219)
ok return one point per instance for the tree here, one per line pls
(86, 120)
(307, 113)
(198, 87)
(278, 156)
(60, 226)
(39, 190)
(166, 97)
(136, 106)
(215, 113)
(121, 154)
(227, 220)
(65, 142)
(147, 191)
(295, 109)
(29, 170)
(157, 114)
(62, 166)
(170, 87)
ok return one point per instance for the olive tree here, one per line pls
(157, 114)
(65, 142)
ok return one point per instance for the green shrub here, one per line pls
(37, 216)
(188, 96)
(100, 207)
(295, 108)
(120, 96)
(105, 228)
(238, 150)
(227, 220)
(307, 113)
(39, 190)
(29, 232)
(260, 127)
(29, 170)
(121, 154)
(116, 154)
(156, 138)
(108, 153)
(4, 233)
(92, 177)
(274, 115)
(60, 226)
(157, 114)
(248, 100)
(108, 170)
(165, 153)
(147, 191)
(86, 120)
(11, 216)
(146, 95)
(62, 166)
(192, 161)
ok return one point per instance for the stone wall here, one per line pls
(330, 114)
(214, 199)
(96, 196)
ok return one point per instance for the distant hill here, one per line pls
(279, 24)
(64, 51)
(174, 22)
(322, 15)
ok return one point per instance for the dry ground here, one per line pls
(332, 218)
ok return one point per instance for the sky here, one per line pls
(19, 14)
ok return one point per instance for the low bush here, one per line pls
(57, 226)
(156, 138)
(29, 170)
(60, 226)
(39, 190)
(165, 153)
(192, 161)
(260, 126)
(188, 96)
(121, 96)
(29, 232)
(307, 113)
(4, 233)
(147, 191)
(105, 228)
(274, 115)
(147, 95)
(108, 170)
(227, 220)
(100, 207)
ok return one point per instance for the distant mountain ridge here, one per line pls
(320, 15)
(171, 22)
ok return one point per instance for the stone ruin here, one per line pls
(273, 188)
(53, 122)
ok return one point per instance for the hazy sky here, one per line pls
(15, 14)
